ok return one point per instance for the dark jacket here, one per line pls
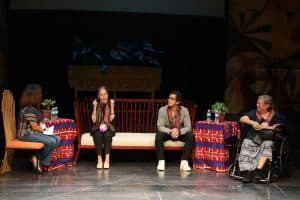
(96, 125)
(247, 129)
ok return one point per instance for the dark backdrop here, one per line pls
(40, 51)
(194, 60)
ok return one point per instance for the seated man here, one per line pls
(174, 123)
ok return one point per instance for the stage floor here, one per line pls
(138, 180)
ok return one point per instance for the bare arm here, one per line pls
(112, 110)
(246, 120)
(94, 113)
(30, 115)
(35, 127)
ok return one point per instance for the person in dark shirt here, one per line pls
(253, 156)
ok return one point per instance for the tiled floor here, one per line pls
(138, 180)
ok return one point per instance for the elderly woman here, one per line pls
(253, 156)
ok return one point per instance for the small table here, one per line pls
(63, 155)
(210, 150)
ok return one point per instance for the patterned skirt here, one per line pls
(251, 153)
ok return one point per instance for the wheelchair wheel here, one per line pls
(284, 167)
(234, 172)
(274, 177)
(231, 170)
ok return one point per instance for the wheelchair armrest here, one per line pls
(269, 134)
(277, 133)
(243, 130)
(280, 128)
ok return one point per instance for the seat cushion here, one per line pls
(18, 144)
(132, 139)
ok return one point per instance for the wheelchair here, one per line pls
(277, 168)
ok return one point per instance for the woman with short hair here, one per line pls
(253, 156)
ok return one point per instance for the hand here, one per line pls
(43, 126)
(275, 126)
(256, 125)
(95, 102)
(174, 133)
(112, 102)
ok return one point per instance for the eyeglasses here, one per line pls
(172, 98)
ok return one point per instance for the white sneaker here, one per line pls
(184, 165)
(161, 165)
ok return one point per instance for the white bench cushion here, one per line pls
(131, 139)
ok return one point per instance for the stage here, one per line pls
(138, 180)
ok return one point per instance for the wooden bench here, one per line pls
(11, 143)
(135, 123)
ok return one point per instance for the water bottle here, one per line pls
(217, 117)
(54, 113)
(208, 115)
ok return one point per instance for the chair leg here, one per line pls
(269, 171)
(6, 165)
(37, 169)
(76, 156)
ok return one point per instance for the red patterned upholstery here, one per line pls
(65, 129)
(210, 150)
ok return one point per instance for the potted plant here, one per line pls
(221, 109)
(47, 104)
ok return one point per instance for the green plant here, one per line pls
(48, 103)
(219, 107)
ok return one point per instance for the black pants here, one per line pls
(101, 139)
(187, 138)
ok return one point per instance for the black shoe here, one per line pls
(259, 175)
(39, 168)
(36, 164)
(247, 177)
